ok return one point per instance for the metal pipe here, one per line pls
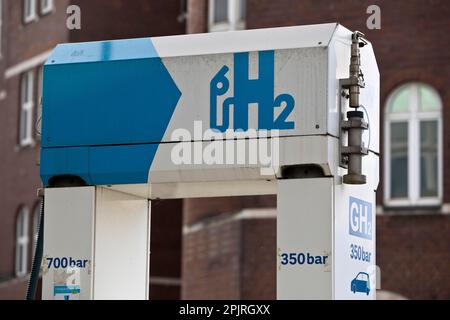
(355, 119)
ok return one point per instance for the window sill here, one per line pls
(20, 276)
(225, 26)
(30, 20)
(25, 145)
(408, 203)
(45, 12)
(412, 210)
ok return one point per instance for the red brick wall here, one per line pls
(225, 257)
(414, 255)
(165, 247)
(211, 262)
(258, 277)
(13, 290)
(127, 19)
(24, 41)
(203, 208)
(197, 16)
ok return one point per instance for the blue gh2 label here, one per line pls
(360, 218)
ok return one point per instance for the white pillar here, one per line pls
(325, 240)
(304, 238)
(96, 244)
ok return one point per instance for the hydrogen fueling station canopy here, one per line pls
(128, 121)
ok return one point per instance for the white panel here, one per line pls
(309, 36)
(304, 226)
(320, 149)
(198, 189)
(122, 246)
(301, 73)
(69, 219)
(370, 98)
(212, 189)
(354, 246)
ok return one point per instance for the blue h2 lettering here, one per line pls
(246, 91)
(360, 218)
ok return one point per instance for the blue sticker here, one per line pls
(65, 292)
(360, 218)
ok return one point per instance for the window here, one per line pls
(413, 148)
(22, 242)
(29, 10)
(46, 6)
(36, 217)
(227, 15)
(26, 108)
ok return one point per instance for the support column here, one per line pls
(304, 239)
(325, 240)
(96, 244)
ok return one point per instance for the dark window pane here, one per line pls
(428, 159)
(21, 262)
(21, 229)
(399, 160)
(220, 11)
(23, 125)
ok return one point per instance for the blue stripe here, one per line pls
(101, 51)
(104, 94)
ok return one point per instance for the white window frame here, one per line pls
(31, 16)
(38, 126)
(26, 108)
(233, 23)
(36, 217)
(22, 240)
(413, 118)
(46, 6)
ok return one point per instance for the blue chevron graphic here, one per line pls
(101, 102)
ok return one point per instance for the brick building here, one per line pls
(29, 30)
(225, 248)
(229, 245)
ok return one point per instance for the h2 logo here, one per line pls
(360, 218)
(246, 91)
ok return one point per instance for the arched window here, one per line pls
(413, 146)
(22, 240)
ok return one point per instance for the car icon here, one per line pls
(361, 283)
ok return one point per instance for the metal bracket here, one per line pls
(343, 85)
(348, 82)
(354, 123)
